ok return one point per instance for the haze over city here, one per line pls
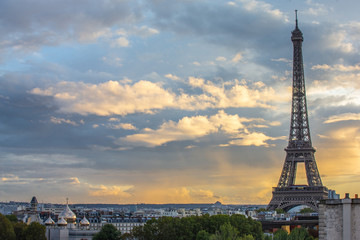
(171, 101)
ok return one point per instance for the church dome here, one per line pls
(49, 222)
(68, 215)
(34, 200)
(62, 222)
(84, 222)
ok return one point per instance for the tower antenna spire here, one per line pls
(296, 20)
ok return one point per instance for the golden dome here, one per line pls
(49, 222)
(68, 215)
(84, 222)
(62, 222)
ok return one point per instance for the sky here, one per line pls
(156, 101)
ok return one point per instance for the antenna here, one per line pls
(296, 20)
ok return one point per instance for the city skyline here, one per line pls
(171, 102)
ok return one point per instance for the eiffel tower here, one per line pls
(299, 150)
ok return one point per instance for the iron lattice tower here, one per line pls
(299, 150)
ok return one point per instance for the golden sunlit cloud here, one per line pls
(115, 190)
(343, 117)
(253, 139)
(190, 128)
(237, 58)
(10, 178)
(172, 77)
(122, 98)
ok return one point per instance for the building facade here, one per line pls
(339, 219)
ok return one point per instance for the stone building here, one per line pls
(339, 219)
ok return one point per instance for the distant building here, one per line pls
(339, 219)
(333, 195)
(68, 227)
(32, 214)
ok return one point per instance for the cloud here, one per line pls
(145, 31)
(322, 67)
(281, 60)
(112, 61)
(340, 40)
(253, 139)
(221, 59)
(316, 9)
(260, 6)
(114, 97)
(62, 120)
(235, 94)
(126, 126)
(343, 117)
(237, 58)
(27, 26)
(339, 89)
(120, 42)
(10, 178)
(106, 191)
(172, 77)
(14, 180)
(109, 98)
(191, 128)
(337, 67)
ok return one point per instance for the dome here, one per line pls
(49, 222)
(68, 215)
(84, 222)
(34, 200)
(62, 222)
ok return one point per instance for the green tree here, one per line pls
(247, 237)
(241, 223)
(19, 229)
(127, 236)
(203, 235)
(280, 210)
(313, 232)
(299, 234)
(267, 237)
(138, 232)
(306, 210)
(12, 218)
(280, 235)
(227, 232)
(35, 231)
(261, 210)
(6, 229)
(107, 232)
(216, 221)
(188, 228)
